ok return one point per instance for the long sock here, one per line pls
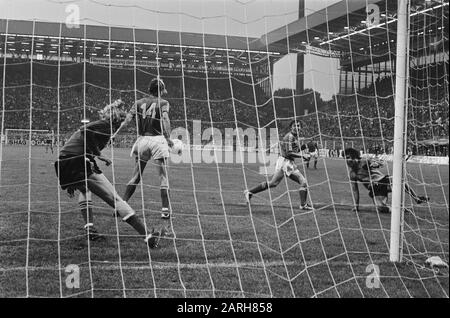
(136, 224)
(129, 191)
(165, 198)
(315, 163)
(411, 192)
(303, 195)
(86, 211)
(259, 188)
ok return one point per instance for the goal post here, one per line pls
(399, 130)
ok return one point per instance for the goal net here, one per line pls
(238, 73)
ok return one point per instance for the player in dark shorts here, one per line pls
(313, 151)
(77, 170)
(379, 185)
(285, 166)
(49, 142)
(151, 115)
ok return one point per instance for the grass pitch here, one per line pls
(221, 247)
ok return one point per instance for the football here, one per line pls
(177, 147)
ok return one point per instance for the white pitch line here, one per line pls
(114, 265)
(111, 266)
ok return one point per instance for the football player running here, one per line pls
(285, 166)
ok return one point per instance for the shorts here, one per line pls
(380, 188)
(150, 147)
(288, 166)
(306, 155)
(314, 154)
(74, 170)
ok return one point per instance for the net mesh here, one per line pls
(231, 115)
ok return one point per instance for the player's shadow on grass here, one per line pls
(81, 242)
(245, 205)
(365, 209)
(261, 208)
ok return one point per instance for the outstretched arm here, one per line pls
(128, 119)
(125, 123)
(293, 150)
(95, 141)
(296, 155)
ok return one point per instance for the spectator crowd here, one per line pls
(58, 99)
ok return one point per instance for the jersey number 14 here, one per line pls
(151, 112)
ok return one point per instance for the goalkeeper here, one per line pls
(77, 169)
(379, 185)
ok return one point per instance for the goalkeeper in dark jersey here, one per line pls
(379, 185)
(289, 151)
(77, 170)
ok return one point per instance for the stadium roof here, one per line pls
(342, 27)
(121, 34)
(296, 31)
